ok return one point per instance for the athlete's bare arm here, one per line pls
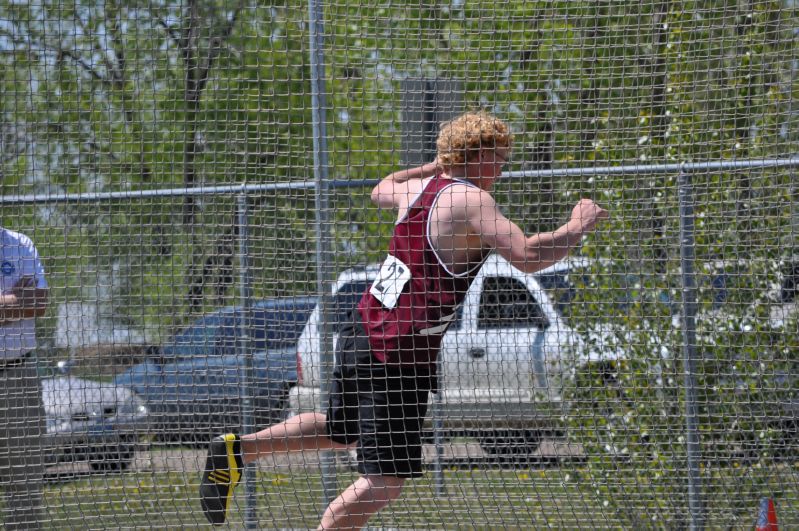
(394, 190)
(528, 253)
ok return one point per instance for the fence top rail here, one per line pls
(632, 169)
(677, 167)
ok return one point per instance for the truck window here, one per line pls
(507, 303)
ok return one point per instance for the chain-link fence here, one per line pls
(196, 180)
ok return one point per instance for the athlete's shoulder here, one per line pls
(474, 196)
(457, 186)
(456, 193)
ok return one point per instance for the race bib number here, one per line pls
(390, 282)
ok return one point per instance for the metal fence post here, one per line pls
(687, 254)
(438, 437)
(244, 352)
(324, 256)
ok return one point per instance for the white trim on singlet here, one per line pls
(430, 242)
(439, 329)
(425, 184)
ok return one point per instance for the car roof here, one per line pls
(275, 323)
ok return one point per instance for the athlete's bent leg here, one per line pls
(302, 432)
(229, 453)
(360, 501)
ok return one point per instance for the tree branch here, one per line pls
(110, 67)
(33, 42)
(171, 31)
(214, 47)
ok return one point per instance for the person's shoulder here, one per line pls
(466, 198)
(15, 237)
(459, 191)
(475, 196)
(458, 185)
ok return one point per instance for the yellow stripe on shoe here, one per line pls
(218, 477)
(223, 470)
(233, 466)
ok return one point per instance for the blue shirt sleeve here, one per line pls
(31, 265)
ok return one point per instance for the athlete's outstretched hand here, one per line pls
(588, 214)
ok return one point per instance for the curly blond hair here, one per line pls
(462, 138)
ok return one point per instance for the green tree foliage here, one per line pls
(114, 96)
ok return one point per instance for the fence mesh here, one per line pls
(196, 179)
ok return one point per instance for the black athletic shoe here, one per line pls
(222, 473)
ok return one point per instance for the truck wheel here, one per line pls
(511, 443)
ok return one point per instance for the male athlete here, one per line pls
(447, 224)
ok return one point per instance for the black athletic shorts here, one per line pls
(380, 406)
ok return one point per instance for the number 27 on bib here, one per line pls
(390, 281)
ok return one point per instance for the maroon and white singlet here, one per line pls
(415, 297)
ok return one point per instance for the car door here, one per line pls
(495, 353)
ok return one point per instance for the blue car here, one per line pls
(193, 387)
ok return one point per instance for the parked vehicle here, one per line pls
(501, 360)
(194, 386)
(92, 421)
